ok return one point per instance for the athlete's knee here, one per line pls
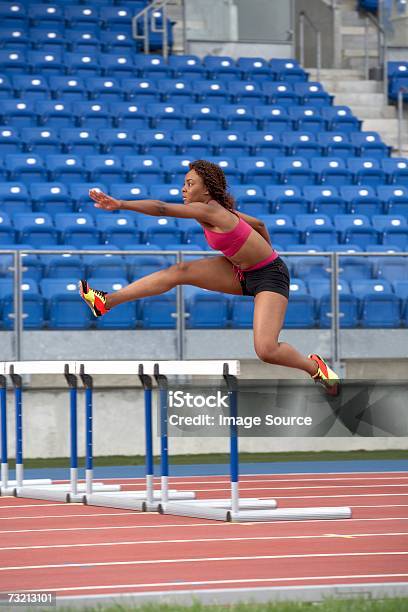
(179, 271)
(267, 350)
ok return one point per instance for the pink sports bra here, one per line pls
(229, 242)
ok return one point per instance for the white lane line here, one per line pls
(204, 523)
(17, 506)
(64, 516)
(66, 566)
(201, 540)
(214, 582)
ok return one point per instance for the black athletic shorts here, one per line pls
(272, 277)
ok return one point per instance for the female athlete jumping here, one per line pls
(249, 266)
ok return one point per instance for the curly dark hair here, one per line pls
(215, 181)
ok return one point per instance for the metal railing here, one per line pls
(400, 112)
(303, 17)
(153, 14)
(381, 49)
(334, 269)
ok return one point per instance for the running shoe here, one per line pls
(325, 376)
(95, 299)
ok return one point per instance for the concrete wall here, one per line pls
(323, 18)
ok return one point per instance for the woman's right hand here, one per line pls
(102, 200)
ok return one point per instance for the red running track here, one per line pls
(78, 550)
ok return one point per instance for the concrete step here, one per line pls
(376, 100)
(370, 112)
(386, 126)
(334, 74)
(336, 86)
(358, 30)
(360, 53)
(356, 42)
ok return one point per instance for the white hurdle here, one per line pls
(74, 491)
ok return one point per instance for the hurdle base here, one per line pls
(250, 511)
(61, 492)
(131, 500)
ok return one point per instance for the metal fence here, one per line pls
(334, 269)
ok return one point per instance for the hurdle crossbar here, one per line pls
(45, 489)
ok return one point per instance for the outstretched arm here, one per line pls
(257, 224)
(156, 208)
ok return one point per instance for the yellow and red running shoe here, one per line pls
(95, 299)
(325, 376)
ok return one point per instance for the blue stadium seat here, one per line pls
(188, 66)
(142, 90)
(79, 141)
(210, 91)
(317, 228)
(331, 170)
(337, 144)
(257, 170)
(64, 310)
(63, 266)
(14, 38)
(117, 41)
(76, 229)
(127, 191)
(6, 87)
(50, 198)
(401, 290)
(105, 168)
(33, 304)
(7, 232)
(106, 89)
(166, 116)
(17, 113)
(307, 118)
(394, 198)
(82, 64)
(114, 17)
(35, 86)
(25, 167)
(369, 144)
(202, 116)
(286, 200)
(67, 88)
(220, 67)
(151, 66)
(379, 306)
(356, 229)
(41, 141)
(14, 197)
(54, 113)
(65, 168)
(312, 94)
(272, 118)
(10, 141)
(279, 93)
(392, 268)
(192, 142)
(367, 171)
(287, 70)
(118, 230)
(45, 14)
(308, 268)
(281, 228)
(361, 199)
(245, 92)
(81, 15)
(228, 142)
(35, 228)
(250, 199)
(397, 170)
(116, 141)
(82, 41)
(144, 169)
(175, 91)
(13, 61)
(155, 142)
(324, 200)
(158, 312)
(348, 311)
(265, 143)
(79, 193)
(340, 118)
(356, 268)
(13, 13)
(301, 143)
(117, 65)
(159, 230)
(301, 311)
(207, 310)
(294, 170)
(94, 114)
(166, 193)
(48, 38)
(254, 68)
(242, 311)
(129, 116)
(46, 62)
